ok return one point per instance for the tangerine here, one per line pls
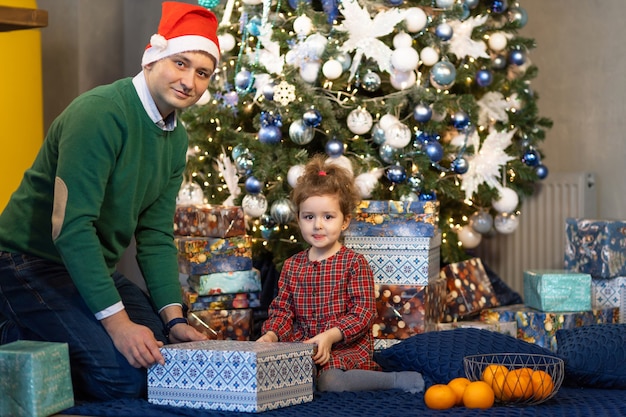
(440, 397)
(458, 386)
(542, 384)
(518, 385)
(478, 394)
(492, 371)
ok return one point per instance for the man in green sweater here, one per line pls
(109, 169)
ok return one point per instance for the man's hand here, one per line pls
(185, 333)
(134, 341)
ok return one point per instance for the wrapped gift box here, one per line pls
(399, 260)
(540, 327)
(557, 290)
(205, 255)
(380, 344)
(395, 218)
(596, 247)
(206, 220)
(226, 282)
(607, 293)
(508, 328)
(407, 310)
(196, 302)
(469, 289)
(35, 379)
(235, 324)
(233, 376)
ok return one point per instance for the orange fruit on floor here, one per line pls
(458, 386)
(440, 397)
(543, 385)
(518, 385)
(478, 394)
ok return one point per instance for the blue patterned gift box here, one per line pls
(394, 219)
(226, 282)
(596, 247)
(607, 293)
(557, 290)
(206, 255)
(35, 379)
(233, 375)
(195, 301)
(540, 327)
(399, 260)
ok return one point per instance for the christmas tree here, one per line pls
(421, 99)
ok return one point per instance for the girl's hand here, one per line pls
(324, 342)
(269, 337)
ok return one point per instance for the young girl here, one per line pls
(326, 293)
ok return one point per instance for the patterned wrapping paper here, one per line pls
(540, 327)
(469, 289)
(233, 375)
(195, 301)
(206, 220)
(399, 260)
(235, 324)
(607, 293)
(407, 310)
(395, 218)
(206, 255)
(226, 282)
(34, 379)
(557, 290)
(596, 247)
(508, 328)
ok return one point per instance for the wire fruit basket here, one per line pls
(517, 379)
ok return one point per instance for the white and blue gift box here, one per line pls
(229, 375)
(399, 260)
(607, 293)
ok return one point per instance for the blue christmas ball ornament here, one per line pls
(238, 151)
(460, 120)
(299, 133)
(422, 113)
(268, 91)
(270, 135)
(471, 3)
(312, 118)
(465, 11)
(518, 15)
(422, 137)
(444, 31)
(396, 174)
(499, 6)
(530, 158)
(517, 57)
(395, 3)
(434, 150)
(416, 181)
(387, 153)
(481, 222)
(460, 165)
(499, 62)
(253, 185)
(334, 148)
(484, 77)
(244, 163)
(541, 171)
(243, 79)
(428, 196)
(294, 3)
(443, 75)
(378, 134)
(254, 26)
(370, 81)
(345, 60)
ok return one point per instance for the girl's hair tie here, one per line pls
(322, 173)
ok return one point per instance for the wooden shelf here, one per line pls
(16, 18)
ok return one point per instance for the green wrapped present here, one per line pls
(35, 379)
(557, 290)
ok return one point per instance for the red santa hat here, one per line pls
(183, 27)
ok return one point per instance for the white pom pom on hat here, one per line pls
(183, 27)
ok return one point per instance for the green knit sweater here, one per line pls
(116, 174)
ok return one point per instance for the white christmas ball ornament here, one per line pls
(254, 205)
(316, 44)
(309, 71)
(227, 42)
(398, 135)
(469, 238)
(302, 25)
(415, 19)
(401, 80)
(429, 56)
(444, 4)
(405, 59)
(332, 69)
(252, 2)
(387, 121)
(359, 121)
(505, 223)
(402, 40)
(367, 181)
(293, 174)
(497, 41)
(342, 161)
(507, 202)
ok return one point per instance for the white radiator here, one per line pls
(539, 241)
